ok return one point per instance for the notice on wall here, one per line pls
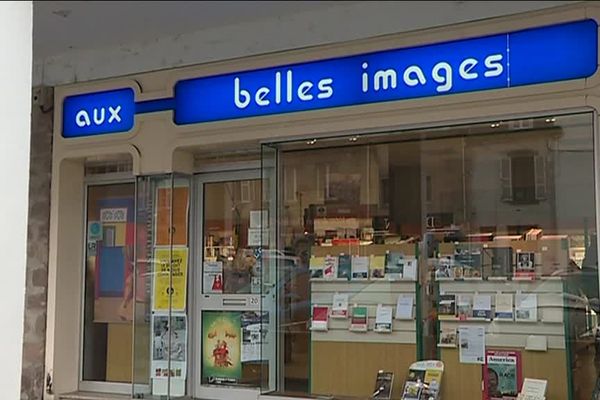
(221, 347)
(471, 344)
(170, 279)
(213, 277)
(169, 354)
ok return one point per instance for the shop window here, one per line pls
(109, 291)
(417, 251)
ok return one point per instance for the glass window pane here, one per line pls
(109, 296)
(461, 245)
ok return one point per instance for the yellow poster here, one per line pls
(162, 279)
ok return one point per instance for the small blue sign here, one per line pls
(98, 113)
(538, 55)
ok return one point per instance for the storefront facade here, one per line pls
(333, 212)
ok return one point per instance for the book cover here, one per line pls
(469, 257)
(330, 267)
(394, 265)
(502, 375)
(344, 270)
(316, 266)
(383, 385)
(447, 306)
(444, 268)
(412, 390)
(526, 307)
(359, 319)
(404, 306)
(502, 262)
(525, 265)
(320, 318)
(383, 319)
(377, 267)
(464, 306)
(339, 308)
(504, 307)
(482, 306)
(409, 268)
(360, 267)
(447, 337)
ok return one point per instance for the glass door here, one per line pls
(233, 323)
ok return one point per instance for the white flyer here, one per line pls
(404, 306)
(383, 319)
(213, 277)
(471, 344)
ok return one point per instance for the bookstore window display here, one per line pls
(472, 246)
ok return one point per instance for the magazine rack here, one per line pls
(424, 381)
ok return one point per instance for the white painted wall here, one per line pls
(15, 108)
(348, 21)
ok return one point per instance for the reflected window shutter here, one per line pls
(506, 179)
(540, 177)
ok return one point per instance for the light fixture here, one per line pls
(353, 138)
(495, 125)
(311, 141)
(550, 120)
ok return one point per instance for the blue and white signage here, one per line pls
(540, 55)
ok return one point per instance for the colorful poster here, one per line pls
(163, 290)
(221, 347)
(502, 377)
(169, 340)
(175, 222)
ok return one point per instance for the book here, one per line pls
(339, 309)
(394, 265)
(502, 262)
(383, 385)
(404, 306)
(526, 307)
(316, 266)
(504, 307)
(464, 306)
(444, 268)
(423, 381)
(412, 390)
(320, 318)
(344, 270)
(447, 306)
(383, 319)
(213, 277)
(525, 265)
(502, 376)
(469, 257)
(533, 389)
(359, 319)
(330, 267)
(482, 306)
(360, 267)
(377, 267)
(409, 268)
(447, 337)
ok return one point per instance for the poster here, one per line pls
(502, 375)
(177, 223)
(169, 340)
(471, 344)
(162, 279)
(221, 346)
(255, 327)
(213, 276)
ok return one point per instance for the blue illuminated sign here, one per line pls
(539, 55)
